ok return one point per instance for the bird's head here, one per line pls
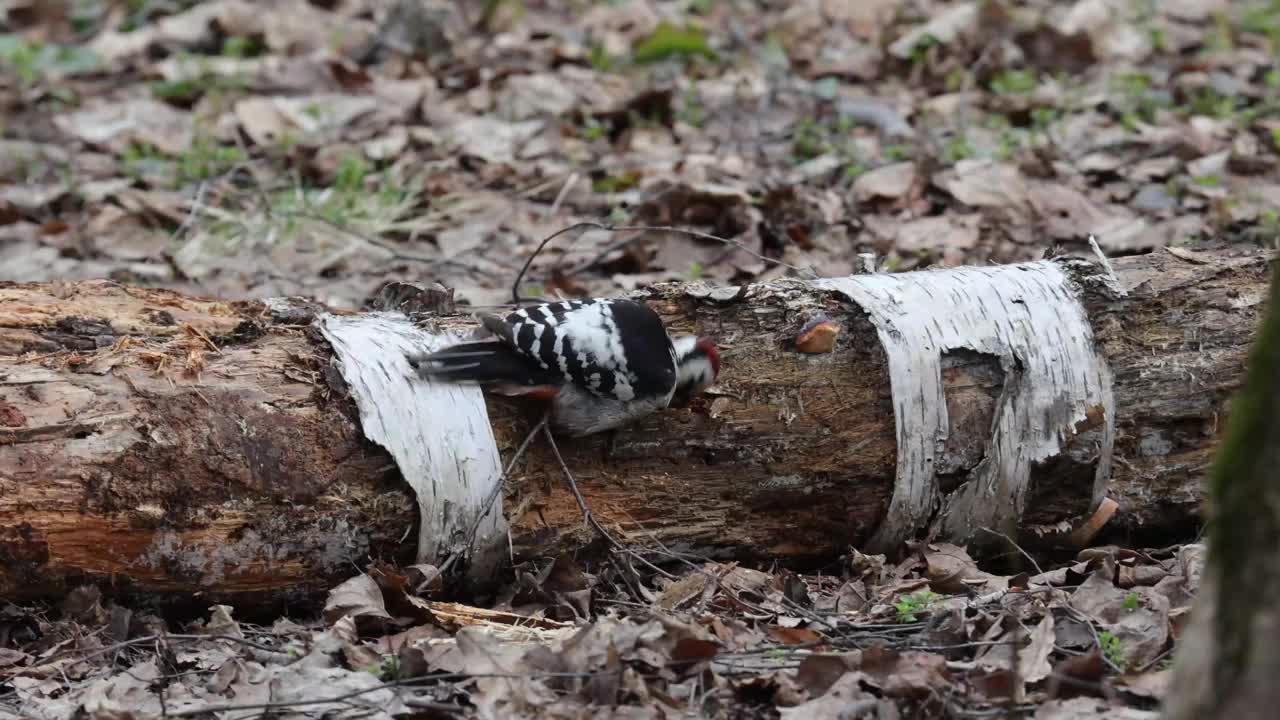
(697, 365)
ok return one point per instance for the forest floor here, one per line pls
(249, 149)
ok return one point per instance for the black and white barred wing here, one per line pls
(616, 348)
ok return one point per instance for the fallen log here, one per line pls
(156, 442)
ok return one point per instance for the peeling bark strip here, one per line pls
(1029, 318)
(439, 435)
(172, 445)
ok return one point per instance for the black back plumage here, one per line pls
(613, 348)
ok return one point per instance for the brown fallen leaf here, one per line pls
(844, 699)
(817, 673)
(888, 181)
(793, 635)
(361, 599)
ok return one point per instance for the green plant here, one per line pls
(1265, 20)
(670, 42)
(350, 175)
(1013, 82)
(32, 61)
(957, 149)
(920, 51)
(241, 46)
(1219, 38)
(600, 59)
(1208, 101)
(809, 140)
(908, 605)
(616, 183)
(1207, 180)
(196, 78)
(206, 158)
(1042, 119)
(695, 270)
(896, 153)
(387, 670)
(142, 160)
(186, 89)
(592, 129)
(1130, 601)
(1113, 649)
(1134, 97)
(21, 56)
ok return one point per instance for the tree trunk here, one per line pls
(164, 443)
(1229, 658)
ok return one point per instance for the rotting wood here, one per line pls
(163, 443)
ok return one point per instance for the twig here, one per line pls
(149, 639)
(384, 686)
(1017, 547)
(196, 205)
(589, 225)
(433, 705)
(587, 517)
(396, 253)
(564, 192)
(582, 504)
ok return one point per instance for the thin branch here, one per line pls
(589, 225)
(385, 686)
(573, 485)
(1017, 547)
(150, 639)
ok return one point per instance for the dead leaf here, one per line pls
(907, 674)
(982, 183)
(817, 673)
(888, 181)
(1090, 709)
(682, 591)
(140, 120)
(358, 655)
(957, 22)
(690, 649)
(793, 635)
(845, 699)
(361, 599)
(1138, 618)
(948, 566)
(1033, 660)
(490, 139)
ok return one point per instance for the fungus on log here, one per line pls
(164, 443)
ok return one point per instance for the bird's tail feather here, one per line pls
(486, 362)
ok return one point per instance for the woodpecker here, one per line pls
(601, 363)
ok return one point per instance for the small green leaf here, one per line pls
(669, 41)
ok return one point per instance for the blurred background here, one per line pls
(246, 149)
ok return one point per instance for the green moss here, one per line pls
(1244, 500)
